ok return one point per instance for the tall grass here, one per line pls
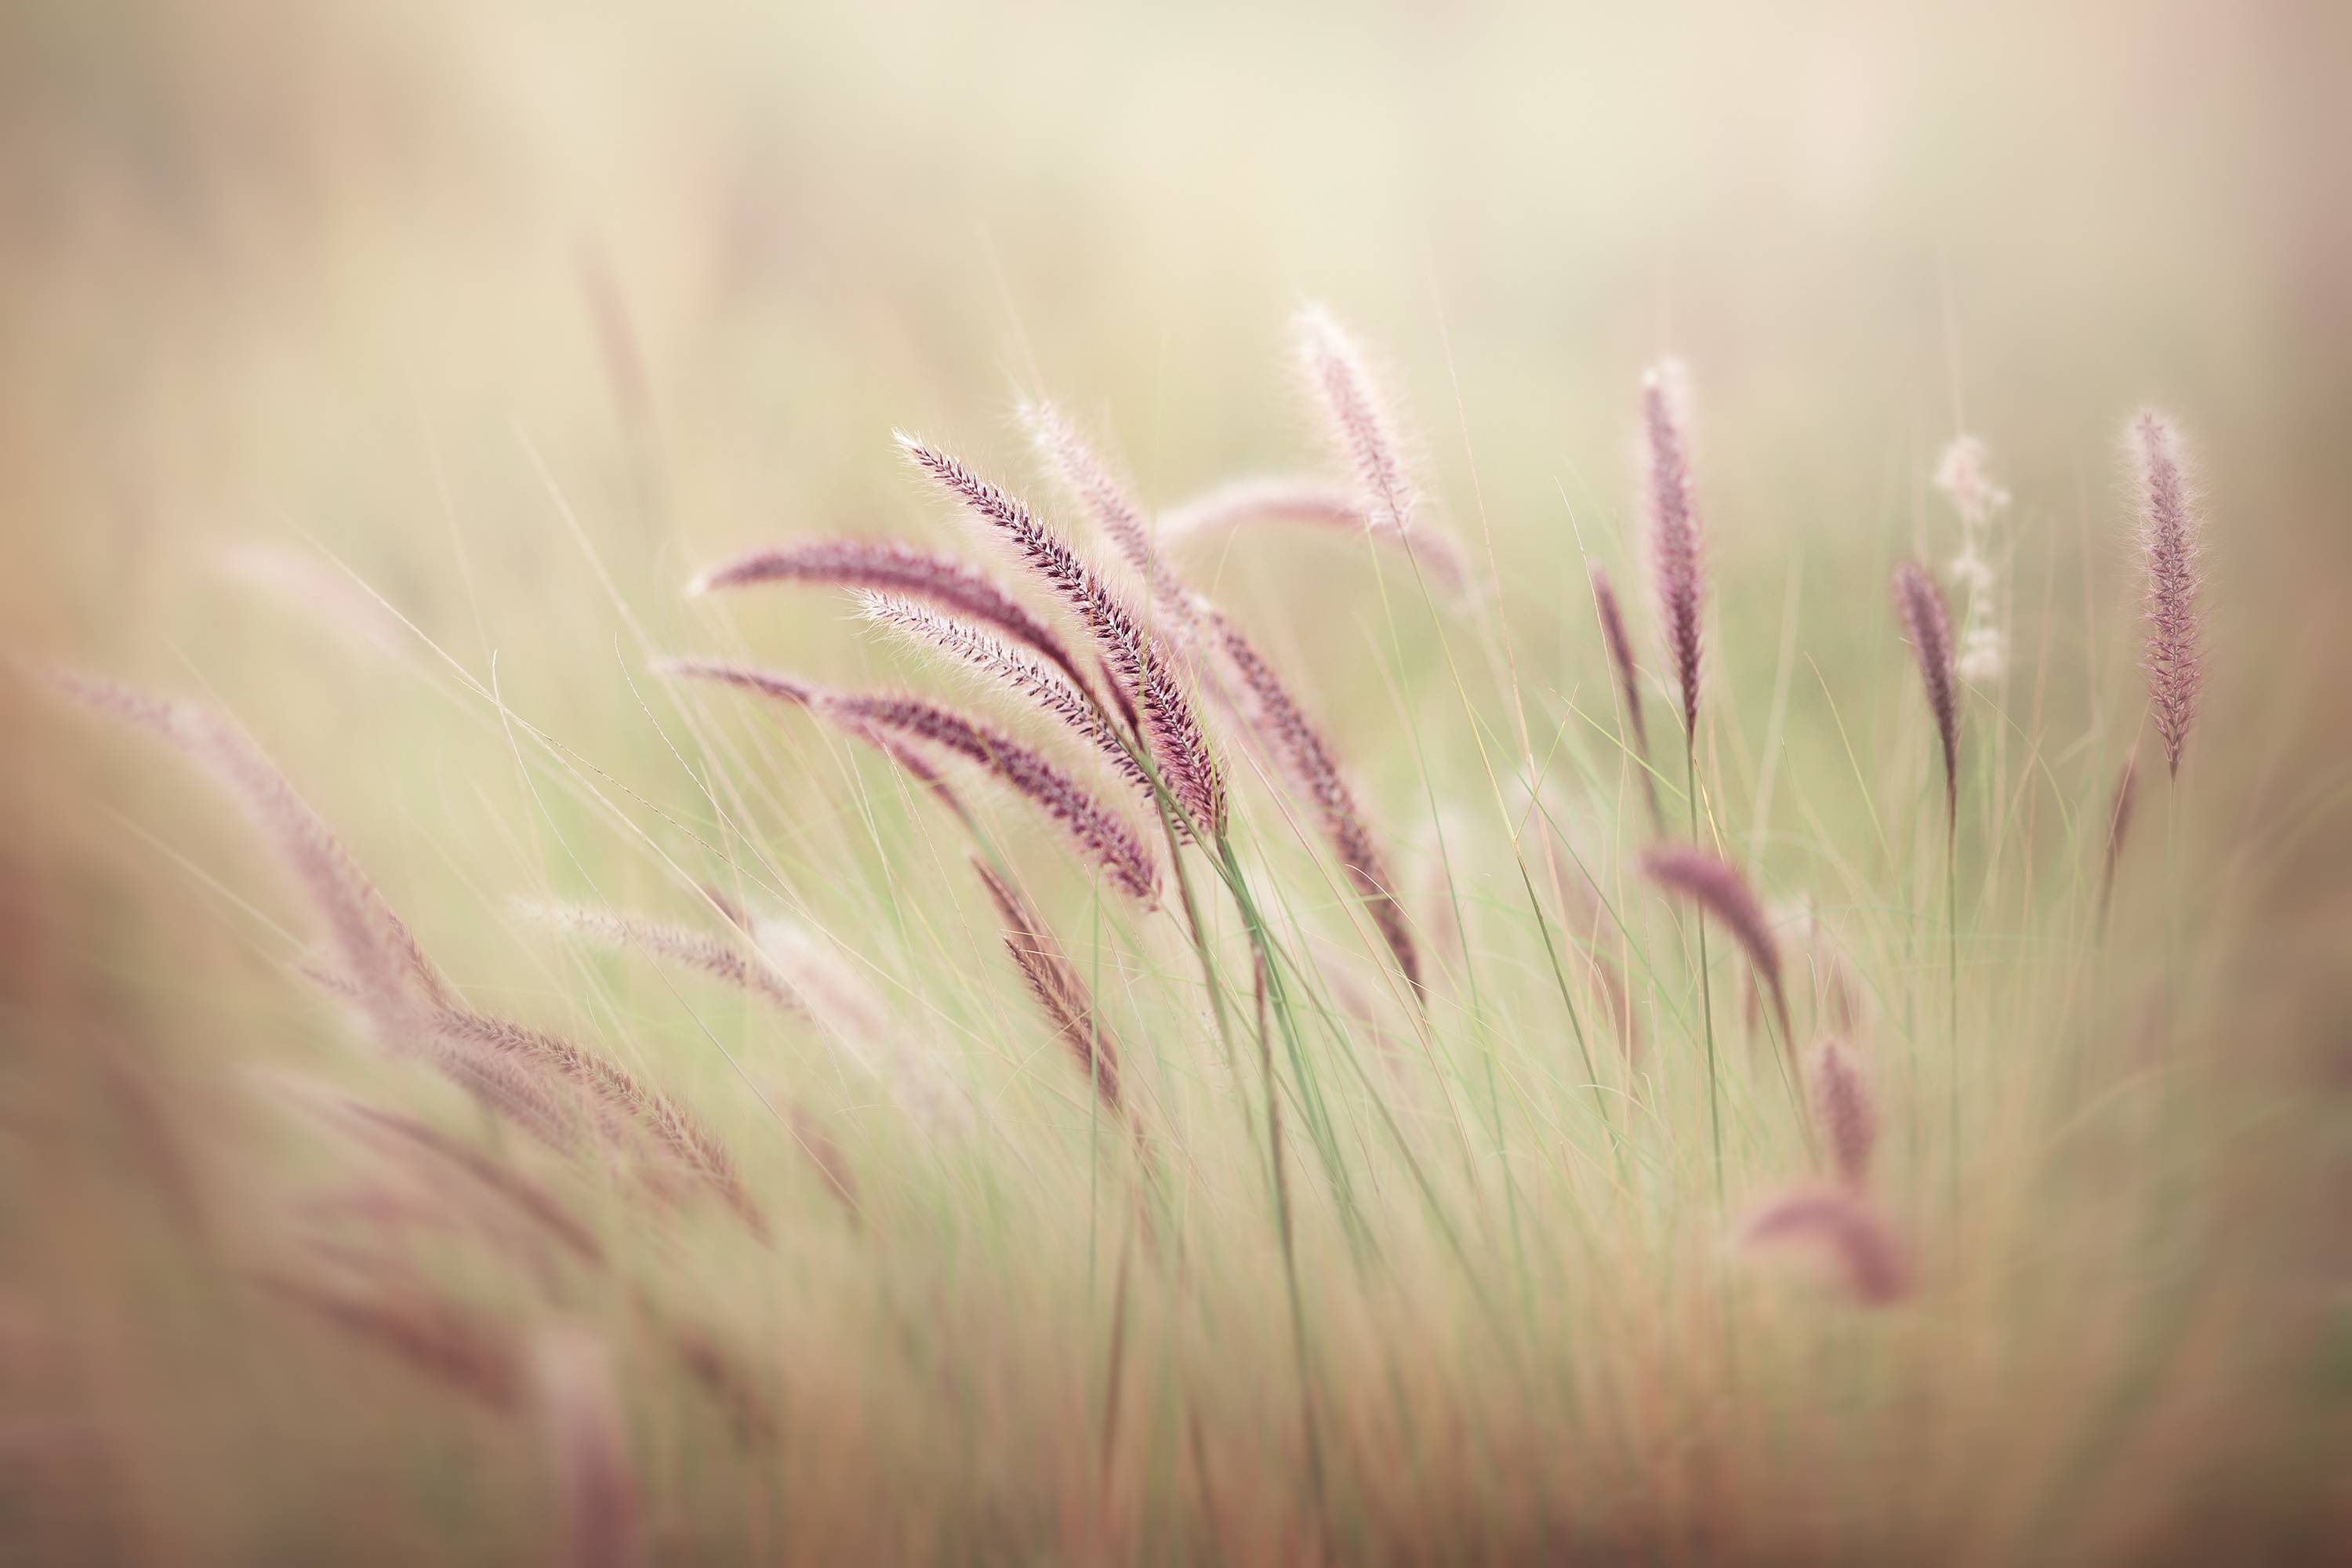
(1294, 1217)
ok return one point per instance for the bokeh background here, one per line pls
(485, 305)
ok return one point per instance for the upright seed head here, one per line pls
(1364, 432)
(2171, 540)
(1931, 642)
(1671, 506)
(1087, 480)
(1846, 1112)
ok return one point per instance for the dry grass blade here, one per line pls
(2170, 543)
(1852, 1231)
(1300, 749)
(1058, 987)
(889, 566)
(2119, 816)
(1669, 504)
(1922, 607)
(1139, 670)
(826, 1158)
(598, 1519)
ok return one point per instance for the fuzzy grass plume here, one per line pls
(2170, 543)
(1670, 505)
(1055, 981)
(1098, 831)
(1930, 630)
(1139, 668)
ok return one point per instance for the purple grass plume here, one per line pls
(1055, 981)
(1629, 686)
(1075, 466)
(543, 1082)
(458, 1346)
(1364, 432)
(1847, 1228)
(1095, 829)
(1141, 673)
(1670, 508)
(416, 1142)
(1846, 1112)
(2171, 542)
(887, 567)
(1300, 749)
(1008, 668)
(584, 1436)
(1930, 629)
(1241, 501)
(1717, 888)
(697, 949)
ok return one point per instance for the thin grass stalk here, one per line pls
(1930, 627)
(1629, 687)
(1308, 1426)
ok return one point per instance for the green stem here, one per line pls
(1705, 991)
(1289, 1248)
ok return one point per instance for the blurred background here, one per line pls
(488, 305)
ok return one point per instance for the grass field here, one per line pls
(1275, 1045)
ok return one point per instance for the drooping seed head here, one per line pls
(1055, 981)
(1717, 888)
(1141, 674)
(904, 726)
(2171, 542)
(1845, 1227)
(1008, 668)
(1299, 749)
(889, 566)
